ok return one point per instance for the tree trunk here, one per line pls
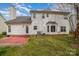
(77, 28)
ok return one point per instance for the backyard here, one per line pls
(43, 45)
(1, 36)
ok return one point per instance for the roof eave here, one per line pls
(53, 12)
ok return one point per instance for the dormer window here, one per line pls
(34, 15)
(43, 16)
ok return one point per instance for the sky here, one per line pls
(23, 9)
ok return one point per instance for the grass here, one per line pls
(1, 36)
(42, 46)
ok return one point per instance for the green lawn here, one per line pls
(42, 46)
(1, 36)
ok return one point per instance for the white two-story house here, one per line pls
(40, 22)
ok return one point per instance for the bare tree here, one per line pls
(76, 7)
(65, 7)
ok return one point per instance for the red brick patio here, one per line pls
(13, 40)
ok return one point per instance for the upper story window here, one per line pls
(65, 17)
(34, 15)
(63, 28)
(47, 15)
(43, 16)
(9, 28)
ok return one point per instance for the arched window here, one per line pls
(51, 26)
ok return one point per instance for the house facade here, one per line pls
(40, 22)
(49, 22)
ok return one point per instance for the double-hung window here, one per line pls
(63, 28)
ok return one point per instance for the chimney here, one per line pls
(12, 12)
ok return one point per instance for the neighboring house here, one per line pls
(3, 25)
(41, 22)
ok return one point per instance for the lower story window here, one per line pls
(47, 28)
(52, 28)
(9, 28)
(26, 29)
(63, 28)
(35, 27)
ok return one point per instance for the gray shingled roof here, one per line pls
(48, 11)
(19, 20)
(2, 16)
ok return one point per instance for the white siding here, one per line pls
(41, 23)
(3, 26)
(19, 29)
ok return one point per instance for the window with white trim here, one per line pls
(63, 28)
(35, 27)
(34, 15)
(47, 28)
(65, 17)
(47, 15)
(43, 16)
(9, 28)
